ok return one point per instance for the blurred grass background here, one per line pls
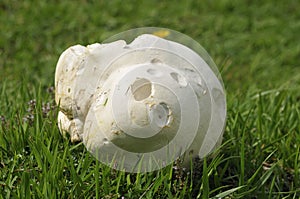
(255, 44)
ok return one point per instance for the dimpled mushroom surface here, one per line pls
(76, 81)
(152, 97)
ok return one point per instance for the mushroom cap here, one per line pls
(155, 101)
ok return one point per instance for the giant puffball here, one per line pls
(140, 105)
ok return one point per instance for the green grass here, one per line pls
(254, 43)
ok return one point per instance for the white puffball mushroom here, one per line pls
(152, 99)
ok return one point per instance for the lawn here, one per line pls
(254, 44)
